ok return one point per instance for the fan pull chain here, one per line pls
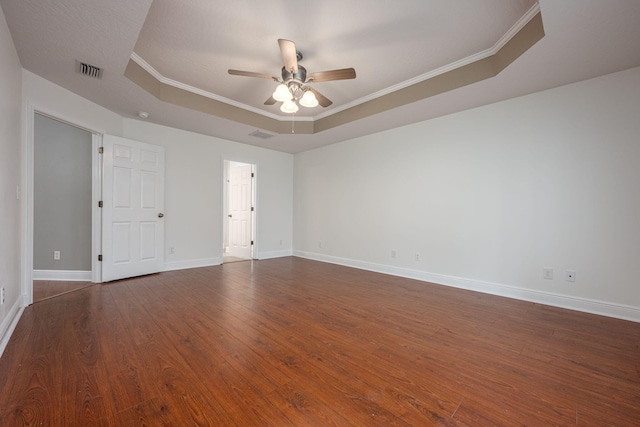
(292, 121)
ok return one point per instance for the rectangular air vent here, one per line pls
(260, 134)
(88, 70)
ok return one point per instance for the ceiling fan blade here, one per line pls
(326, 76)
(251, 74)
(270, 101)
(322, 100)
(289, 55)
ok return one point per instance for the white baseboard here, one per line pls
(274, 254)
(64, 275)
(195, 263)
(9, 324)
(572, 303)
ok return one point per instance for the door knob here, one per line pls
(160, 215)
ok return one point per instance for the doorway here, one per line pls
(62, 207)
(239, 208)
(66, 275)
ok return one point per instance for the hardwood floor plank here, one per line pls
(178, 385)
(15, 352)
(35, 392)
(290, 341)
(83, 400)
(152, 412)
(303, 407)
(344, 382)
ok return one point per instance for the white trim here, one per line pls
(254, 211)
(96, 212)
(195, 263)
(63, 275)
(223, 208)
(27, 205)
(602, 308)
(274, 254)
(9, 324)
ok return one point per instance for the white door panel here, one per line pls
(133, 205)
(240, 224)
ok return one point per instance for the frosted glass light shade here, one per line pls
(281, 93)
(289, 107)
(308, 99)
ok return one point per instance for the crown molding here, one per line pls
(183, 86)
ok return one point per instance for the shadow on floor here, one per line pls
(46, 289)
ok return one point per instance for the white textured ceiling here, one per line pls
(193, 43)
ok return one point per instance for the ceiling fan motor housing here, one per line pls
(300, 76)
(294, 81)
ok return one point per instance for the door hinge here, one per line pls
(99, 257)
(100, 204)
(253, 175)
(252, 243)
(252, 208)
(101, 150)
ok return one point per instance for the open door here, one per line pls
(240, 214)
(133, 208)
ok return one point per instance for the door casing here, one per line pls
(26, 192)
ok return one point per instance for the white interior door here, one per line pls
(240, 211)
(133, 208)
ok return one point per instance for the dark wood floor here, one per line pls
(296, 342)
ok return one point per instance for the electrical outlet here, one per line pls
(570, 276)
(417, 256)
(1, 296)
(547, 273)
(56, 255)
(394, 254)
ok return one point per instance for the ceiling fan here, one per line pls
(294, 82)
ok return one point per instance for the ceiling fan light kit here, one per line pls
(293, 87)
(308, 100)
(289, 106)
(282, 93)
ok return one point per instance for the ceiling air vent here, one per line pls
(88, 70)
(260, 134)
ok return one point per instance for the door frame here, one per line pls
(27, 194)
(224, 211)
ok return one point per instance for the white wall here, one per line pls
(10, 181)
(193, 177)
(489, 196)
(51, 99)
(193, 194)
